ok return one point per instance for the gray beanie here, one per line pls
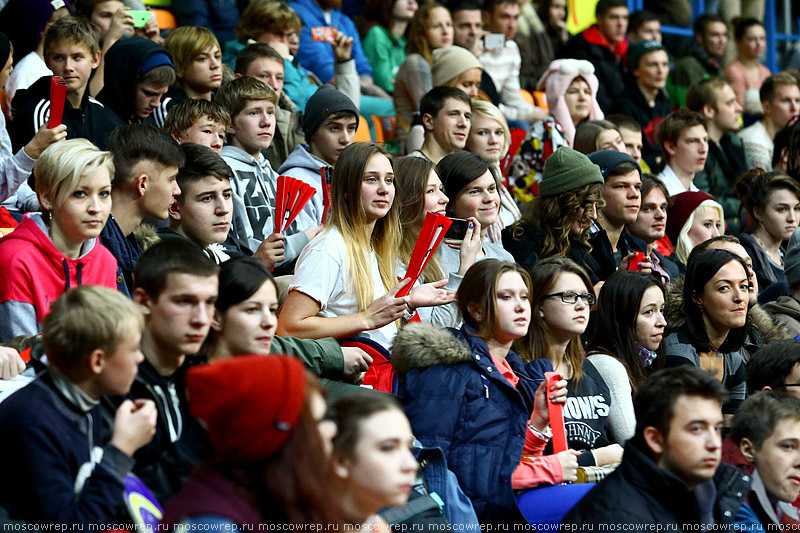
(567, 170)
(326, 101)
(791, 261)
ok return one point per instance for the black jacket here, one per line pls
(639, 492)
(607, 67)
(180, 443)
(525, 241)
(123, 61)
(31, 109)
(633, 104)
(603, 255)
(725, 163)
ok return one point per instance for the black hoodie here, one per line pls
(31, 109)
(123, 62)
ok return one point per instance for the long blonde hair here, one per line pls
(412, 173)
(348, 216)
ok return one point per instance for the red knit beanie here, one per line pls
(249, 404)
(683, 205)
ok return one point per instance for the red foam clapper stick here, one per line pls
(325, 173)
(58, 93)
(280, 203)
(556, 415)
(431, 235)
(304, 194)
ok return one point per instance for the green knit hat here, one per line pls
(567, 170)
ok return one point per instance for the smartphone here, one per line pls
(140, 17)
(458, 230)
(494, 41)
(325, 34)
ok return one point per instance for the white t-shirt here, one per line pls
(321, 273)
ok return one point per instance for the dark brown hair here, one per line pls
(479, 288)
(536, 344)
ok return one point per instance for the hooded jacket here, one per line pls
(254, 191)
(123, 62)
(786, 311)
(457, 400)
(36, 273)
(306, 167)
(638, 492)
(31, 109)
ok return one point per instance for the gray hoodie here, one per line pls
(254, 189)
(306, 167)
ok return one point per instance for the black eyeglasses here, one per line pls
(789, 385)
(570, 297)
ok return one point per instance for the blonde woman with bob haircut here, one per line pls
(345, 281)
(57, 249)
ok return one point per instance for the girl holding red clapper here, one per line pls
(345, 280)
(423, 193)
(466, 392)
(562, 299)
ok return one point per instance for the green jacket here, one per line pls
(324, 358)
(724, 165)
(385, 54)
(691, 68)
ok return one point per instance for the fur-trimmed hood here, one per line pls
(420, 345)
(769, 328)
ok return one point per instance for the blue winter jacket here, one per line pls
(317, 56)
(457, 400)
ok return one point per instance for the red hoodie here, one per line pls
(34, 273)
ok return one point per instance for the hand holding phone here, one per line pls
(458, 230)
(140, 17)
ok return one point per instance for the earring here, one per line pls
(541, 314)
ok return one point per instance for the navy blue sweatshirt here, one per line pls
(57, 467)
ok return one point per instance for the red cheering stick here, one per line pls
(305, 191)
(517, 136)
(58, 93)
(325, 172)
(431, 235)
(292, 196)
(280, 203)
(556, 415)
